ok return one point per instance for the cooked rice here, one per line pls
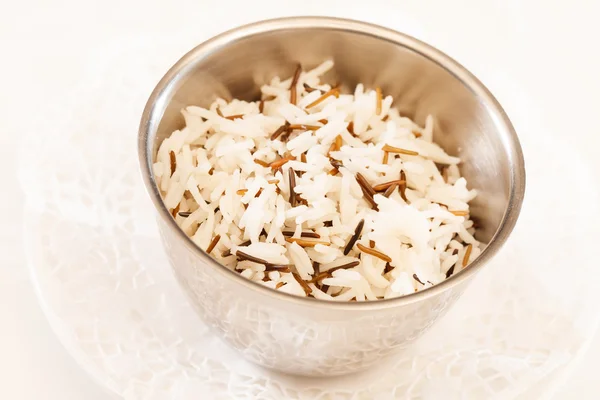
(227, 179)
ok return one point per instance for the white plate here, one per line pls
(105, 286)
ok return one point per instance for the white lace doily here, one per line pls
(109, 294)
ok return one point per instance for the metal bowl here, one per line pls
(307, 336)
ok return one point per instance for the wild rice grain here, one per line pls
(338, 142)
(293, 86)
(350, 128)
(308, 88)
(416, 278)
(302, 283)
(175, 210)
(316, 267)
(213, 244)
(362, 181)
(278, 163)
(460, 213)
(390, 190)
(313, 235)
(345, 266)
(388, 268)
(303, 127)
(355, 236)
(173, 162)
(278, 268)
(262, 163)
(335, 163)
(367, 189)
(306, 243)
(402, 186)
(328, 274)
(236, 116)
(333, 92)
(384, 186)
(319, 277)
(227, 252)
(467, 255)
(292, 184)
(398, 150)
(245, 256)
(283, 128)
(373, 252)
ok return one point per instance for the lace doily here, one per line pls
(108, 292)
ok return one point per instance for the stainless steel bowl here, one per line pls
(308, 336)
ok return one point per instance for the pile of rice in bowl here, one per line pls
(317, 193)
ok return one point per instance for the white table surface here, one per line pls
(44, 48)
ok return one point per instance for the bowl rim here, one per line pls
(156, 104)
